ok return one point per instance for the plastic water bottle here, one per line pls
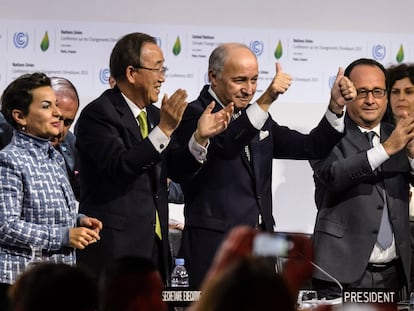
(179, 275)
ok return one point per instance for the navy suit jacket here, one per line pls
(6, 132)
(350, 205)
(229, 190)
(68, 150)
(123, 181)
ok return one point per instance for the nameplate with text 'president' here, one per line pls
(370, 295)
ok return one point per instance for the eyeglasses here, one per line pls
(376, 92)
(66, 121)
(162, 70)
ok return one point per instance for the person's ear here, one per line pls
(129, 74)
(212, 77)
(19, 117)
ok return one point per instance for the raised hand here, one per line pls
(402, 136)
(210, 124)
(279, 85)
(343, 90)
(172, 110)
(281, 82)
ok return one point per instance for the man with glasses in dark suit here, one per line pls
(361, 235)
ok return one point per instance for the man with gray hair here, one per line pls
(234, 185)
(68, 104)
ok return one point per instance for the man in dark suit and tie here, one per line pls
(125, 156)
(234, 185)
(361, 234)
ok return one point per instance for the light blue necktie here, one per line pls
(384, 237)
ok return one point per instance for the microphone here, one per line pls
(279, 245)
(331, 278)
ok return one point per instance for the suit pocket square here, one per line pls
(263, 134)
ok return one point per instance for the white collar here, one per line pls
(376, 129)
(134, 108)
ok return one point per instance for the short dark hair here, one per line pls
(365, 61)
(54, 286)
(395, 73)
(18, 94)
(126, 52)
(398, 72)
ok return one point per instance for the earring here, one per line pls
(23, 129)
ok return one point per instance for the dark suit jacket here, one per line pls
(123, 181)
(68, 150)
(228, 190)
(6, 132)
(350, 206)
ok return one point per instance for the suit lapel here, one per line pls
(125, 113)
(206, 99)
(131, 124)
(355, 138)
(393, 164)
(255, 156)
(153, 118)
(358, 140)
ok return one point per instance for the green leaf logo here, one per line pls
(177, 46)
(279, 50)
(400, 54)
(44, 45)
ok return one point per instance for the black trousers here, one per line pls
(158, 260)
(389, 276)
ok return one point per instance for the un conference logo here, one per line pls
(257, 47)
(378, 51)
(20, 39)
(104, 75)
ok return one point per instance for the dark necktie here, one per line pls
(143, 127)
(247, 148)
(384, 237)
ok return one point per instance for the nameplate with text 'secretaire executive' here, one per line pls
(180, 296)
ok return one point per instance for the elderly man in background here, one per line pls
(68, 104)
